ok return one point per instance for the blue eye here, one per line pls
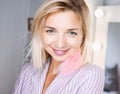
(72, 34)
(51, 32)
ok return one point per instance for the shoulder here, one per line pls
(27, 70)
(90, 72)
(25, 74)
(89, 80)
(91, 68)
(95, 71)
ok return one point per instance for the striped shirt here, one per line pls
(88, 80)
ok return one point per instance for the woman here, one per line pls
(59, 52)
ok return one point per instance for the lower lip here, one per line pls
(60, 52)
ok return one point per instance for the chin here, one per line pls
(59, 59)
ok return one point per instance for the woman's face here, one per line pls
(62, 36)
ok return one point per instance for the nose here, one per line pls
(60, 41)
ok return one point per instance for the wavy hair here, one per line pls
(39, 55)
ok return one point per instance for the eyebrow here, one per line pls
(73, 29)
(55, 28)
(49, 27)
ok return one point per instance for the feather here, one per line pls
(71, 64)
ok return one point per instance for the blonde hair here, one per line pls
(39, 55)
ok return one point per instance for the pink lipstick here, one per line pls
(60, 52)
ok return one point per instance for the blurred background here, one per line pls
(15, 20)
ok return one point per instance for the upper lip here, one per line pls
(60, 49)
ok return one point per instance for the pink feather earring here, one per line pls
(71, 64)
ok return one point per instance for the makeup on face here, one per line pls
(62, 36)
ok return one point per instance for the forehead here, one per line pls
(63, 19)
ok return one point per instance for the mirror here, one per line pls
(112, 59)
(107, 32)
(113, 44)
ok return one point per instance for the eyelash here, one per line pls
(72, 34)
(51, 32)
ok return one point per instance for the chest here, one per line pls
(48, 81)
(60, 85)
(52, 85)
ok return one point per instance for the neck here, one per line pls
(54, 66)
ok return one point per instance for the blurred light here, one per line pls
(96, 46)
(99, 13)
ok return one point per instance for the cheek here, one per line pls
(75, 43)
(47, 40)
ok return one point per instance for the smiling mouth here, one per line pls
(60, 52)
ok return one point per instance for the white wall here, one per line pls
(13, 26)
(111, 2)
(34, 5)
